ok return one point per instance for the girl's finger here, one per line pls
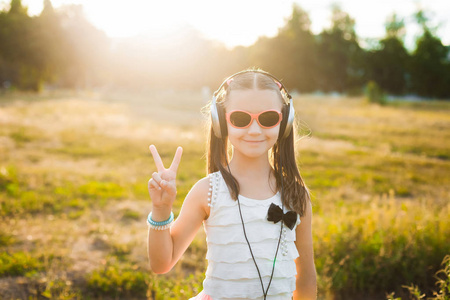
(168, 187)
(157, 178)
(153, 185)
(158, 162)
(176, 160)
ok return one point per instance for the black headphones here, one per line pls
(219, 124)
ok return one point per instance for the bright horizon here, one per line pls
(243, 22)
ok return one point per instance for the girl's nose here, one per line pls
(254, 128)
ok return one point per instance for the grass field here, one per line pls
(73, 193)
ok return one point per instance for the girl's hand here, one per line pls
(162, 186)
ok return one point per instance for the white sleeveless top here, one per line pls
(231, 272)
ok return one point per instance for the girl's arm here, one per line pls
(165, 247)
(306, 284)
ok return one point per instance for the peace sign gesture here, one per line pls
(162, 186)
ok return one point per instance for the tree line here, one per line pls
(61, 49)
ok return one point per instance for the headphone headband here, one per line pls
(277, 81)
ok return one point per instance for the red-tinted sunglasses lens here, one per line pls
(240, 118)
(265, 119)
(269, 118)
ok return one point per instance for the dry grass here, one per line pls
(74, 169)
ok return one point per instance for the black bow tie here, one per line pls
(275, 214)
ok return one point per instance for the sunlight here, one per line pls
(124, 19)
(236, 22)
(211, 19)
(232, 23)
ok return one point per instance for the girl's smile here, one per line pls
(254, 142)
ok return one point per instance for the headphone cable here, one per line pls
(250, 248)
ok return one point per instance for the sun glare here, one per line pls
(237, 22)
(133, 17)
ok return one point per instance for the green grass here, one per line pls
(6, 239)
(19, 263)
(73, 193)
(118, 281)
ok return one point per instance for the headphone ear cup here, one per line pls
(215, 122)
(284, 112)
(222, 121)
(218, 121)
(288, 120)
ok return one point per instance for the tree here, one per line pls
(395, 27)
(50, 44)
(291, 53)
(86, 50)
(387, 66)
(17, 8)
(27, 46)
(299, 48)
(18, 48)
(430, 66)
(341, 67)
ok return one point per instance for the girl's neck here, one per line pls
(254, 175)
(255, 167)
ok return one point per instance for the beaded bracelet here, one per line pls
(160, 225)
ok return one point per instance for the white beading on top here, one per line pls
(213, 187)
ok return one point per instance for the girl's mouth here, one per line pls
(253, 142)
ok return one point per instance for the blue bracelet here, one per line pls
(157, 224)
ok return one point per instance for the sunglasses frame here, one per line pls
(254, 117)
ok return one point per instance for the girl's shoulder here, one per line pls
(203, 190)
(204, 184)
(201, 187)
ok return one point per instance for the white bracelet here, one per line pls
(163, 227)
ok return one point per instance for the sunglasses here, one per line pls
(242, 119)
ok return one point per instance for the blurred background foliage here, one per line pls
(60, 49)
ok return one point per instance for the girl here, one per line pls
(255, 207)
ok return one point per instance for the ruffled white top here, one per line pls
(231, 272)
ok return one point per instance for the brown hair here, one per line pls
(288, 179)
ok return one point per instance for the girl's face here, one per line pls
(253, 141)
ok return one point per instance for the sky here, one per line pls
(241, 22)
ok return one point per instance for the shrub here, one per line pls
(443, 283)
(374, 93)
(19, 263)
(118, 281)
(381, 246)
